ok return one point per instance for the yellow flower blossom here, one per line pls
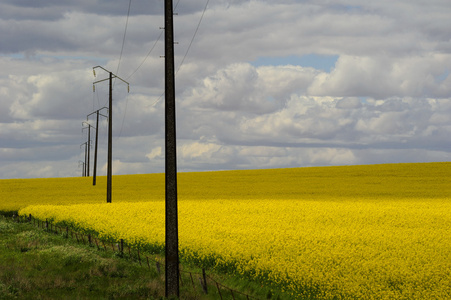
(366, 232)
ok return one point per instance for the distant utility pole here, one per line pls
(86, 157)
(97, 142)
(171, 238)
(89, 143)
(110, 127)
(83, 170)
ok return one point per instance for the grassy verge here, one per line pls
(35, 264)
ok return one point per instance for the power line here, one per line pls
(139, 66)
(120, 58)
(123, 119)
(123, 39)
(150, 51)
(159, 37)
(93, 100)
(98, 99)
(187, 50)
(177, 4)
(194, 35)
(142, 62)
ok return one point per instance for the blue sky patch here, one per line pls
(320, 62)
(442, 76)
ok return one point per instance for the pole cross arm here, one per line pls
(87, 124)
(112, 75)
(97, 111)
(94, 69)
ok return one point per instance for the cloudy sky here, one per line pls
(259, 84)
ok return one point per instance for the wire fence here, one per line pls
(199, 282)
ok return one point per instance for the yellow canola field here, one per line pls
(387, 181)
(366, 232)
(325, 249)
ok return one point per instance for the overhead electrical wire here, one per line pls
(150, 51)
(93, 101)
(139, 66)
(148, 54)
(142, 62)
(119, 62)
(194, 35)
(120, 58)
(125, 34)
(123, 119)
(187, 50)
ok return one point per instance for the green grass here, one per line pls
(36, 264)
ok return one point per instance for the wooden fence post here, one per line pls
(219, 290)
(203, 281)
(157, 264)
(192, 281)
(148, 261)
(233, 296)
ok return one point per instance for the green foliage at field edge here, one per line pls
(38, 265)
(35, 264)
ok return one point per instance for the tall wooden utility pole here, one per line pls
(96, 143)
(83, 165)
(110, 142)
(89, 145)
(171, 238)
(86, 157)
(110, 128)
